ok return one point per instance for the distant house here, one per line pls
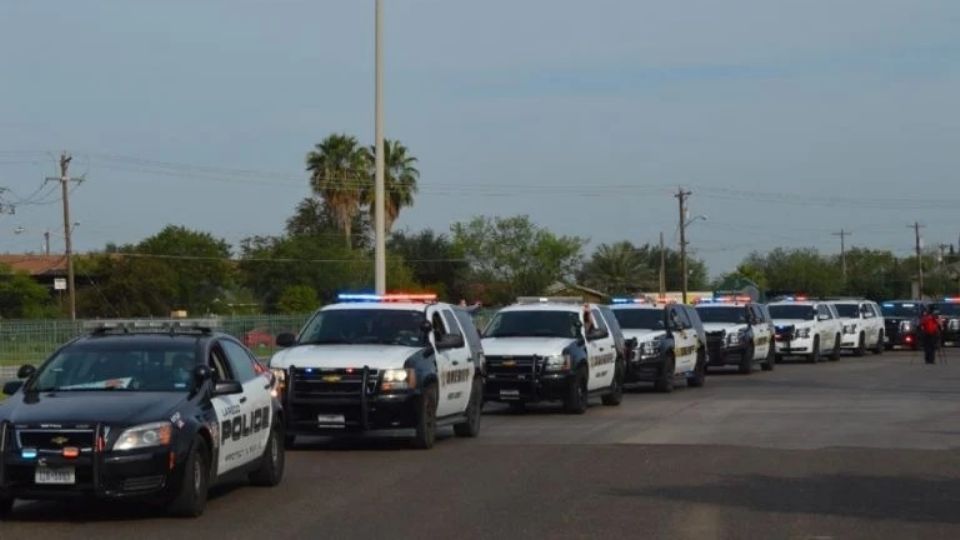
(573, 289)
(42, 268)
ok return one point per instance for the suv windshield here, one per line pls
(640, 319)
(848, 311)
(736, 315)
(126, 366)
(560, 324)
(790, 311)
(366, 326)
(907, 310)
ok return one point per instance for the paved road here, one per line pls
(863, 448)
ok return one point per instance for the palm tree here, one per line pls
(618, 269)
(399, 180)
(337, 168)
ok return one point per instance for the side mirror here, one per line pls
(450, 341)
(632, 343)
(26, 371)
(286, 339)
(227, 388)
(202, 374)
(597, 334)
(10, 388)
(823, 317)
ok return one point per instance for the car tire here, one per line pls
(191, 500)
(426, 428)
(576, 400)
(835, 353)
(615, 396)
(471, 427)
(769, 362)
(664, 382)
(879, 347)
(699, 377)
(273, 461)
(861, 349)
(6, 506)
(777, 358)
(814, 357)
(746, 360)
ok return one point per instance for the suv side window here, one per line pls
(683, 319)
(451, 323)
(598, 321)
(220, 365)
(239, 361)
(824, 311)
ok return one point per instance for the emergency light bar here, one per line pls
(726, 300)
(550, 300)
(628, 301)
(398, 297)
(952, 300)
(157, 325)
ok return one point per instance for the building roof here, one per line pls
(35, 264)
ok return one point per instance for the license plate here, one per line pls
(55, 475)
(331, 420)
(509, 394)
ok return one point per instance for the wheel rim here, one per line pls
(197, 475)
(274, 450)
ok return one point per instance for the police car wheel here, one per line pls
(664, 382)
(814, 357)
(861, 349)
(770, 361)
(615, 396)
(426, 429)
(191, 500)
(471, 428)
(835, 353)
(699, 377)
(576, 401)
(746, 361)
(6, 506)
(879, 348)
(273, 461)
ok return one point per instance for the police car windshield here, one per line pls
(737, 315)
(901, 310)
(640, 319)
(366, 326)
(558, 324)
(848, 311)
(789, 311)
(165, 366)
(948, 308)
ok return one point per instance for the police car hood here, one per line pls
(643, 335)
(344, 356)
(796, 323)
(727, 327)
(117, 407)
(525, 346)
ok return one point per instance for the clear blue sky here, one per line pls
(612, 102)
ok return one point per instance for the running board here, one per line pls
(451, 420)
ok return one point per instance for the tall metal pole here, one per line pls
(379, 192)
(843, 234)
(682, 196)
(663, 269)
(67, 229)
(919, 247)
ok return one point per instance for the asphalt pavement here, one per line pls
(860, 448)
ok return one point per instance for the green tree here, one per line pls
(338, 168)
(313, 217)
(802, 270)
(510, 257)
(298, 299)
(434, 261)
(618, 269)
(400, 179)
(21, 297)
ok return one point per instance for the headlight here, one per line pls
(850, 329)
(649, 348)
(145, 436)
(399, 379)
(734, 338)
(906, 326)
(279, 381)
(557, 362)
(802, 333)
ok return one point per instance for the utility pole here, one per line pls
(919, 247)
(65, 180)
(46, 242)
(682, 198)
(380, 248)
(843, 252)
(663, 269)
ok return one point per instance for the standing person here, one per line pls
(930, 331)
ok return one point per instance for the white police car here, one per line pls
(382, 362)
(863, 326)
(552, 349)
(806, 328)
(737, 333)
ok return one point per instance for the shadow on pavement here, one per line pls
(928, 500)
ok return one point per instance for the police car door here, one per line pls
(868, 319)
(459, 381)
(685, 341)
(445, 362)
(825, 327)
(255, 425)
(762, 338)
(228, 409)
(602, 354)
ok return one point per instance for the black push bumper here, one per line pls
(644, 369)
(527, 389)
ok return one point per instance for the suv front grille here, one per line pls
(511, 367)
(56, 439)
(332, 382)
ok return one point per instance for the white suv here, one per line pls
(806, 328)
(862, 323)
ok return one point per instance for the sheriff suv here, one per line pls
(863, 327)
(553, 349)
(901, 320)
(806, 328)
(949, 312)
(671, 343)
(386, 362)
(738, 333)
(158, 410)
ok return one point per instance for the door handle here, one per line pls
(601, 349)
(455, 362)
(243, 400)
(266, 386)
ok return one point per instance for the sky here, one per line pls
(788, 120)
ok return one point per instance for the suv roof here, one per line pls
(548, 306)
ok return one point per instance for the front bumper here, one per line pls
(542, 386)
(795, 346)
(101, 474)
(850, 341)
(726, 355)
(339, 414)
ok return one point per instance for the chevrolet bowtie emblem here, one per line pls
(61, 440)
(331, 378)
